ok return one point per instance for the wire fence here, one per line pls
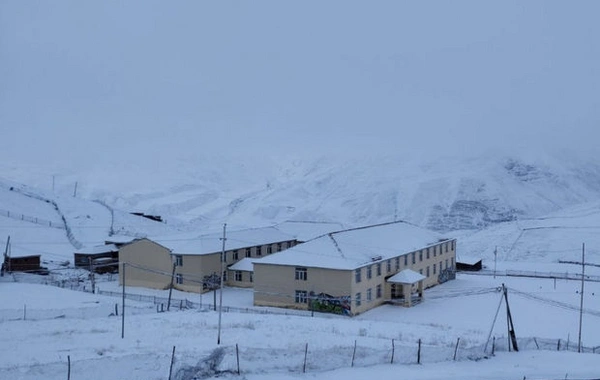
(31, 219)
(533, 274)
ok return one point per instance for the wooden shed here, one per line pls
(468, 263)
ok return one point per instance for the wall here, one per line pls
(147, 254)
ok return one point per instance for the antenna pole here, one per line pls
(581, 300)
(221, 287)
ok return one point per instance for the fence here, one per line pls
(31, 219)
(534, 274)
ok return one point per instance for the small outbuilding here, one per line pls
(100, 258)
(31, 263)
(468, 263)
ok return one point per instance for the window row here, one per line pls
(258, 250)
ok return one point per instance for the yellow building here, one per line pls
(354, 270)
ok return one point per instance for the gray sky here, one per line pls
(80, 78)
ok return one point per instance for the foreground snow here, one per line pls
(43, 327)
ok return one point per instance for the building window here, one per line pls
(224, 276)
(301, 296)
(427, 255)
(357, 275)
(269, 249)
(179, 278)
(453, 245)
(397, 263)
(289, 244)
(389, 266)
(378, 291)
(278, 247)
(433, 268)
(414, 257)
(420, 256)
(427, 271)
(446, 263)
(369, 272)
(452, 262)
(178, 260)
(435, 251)
(369, 295)
(238, 275)
(379, 269)
(251, 277)
(446, 244)
(248, 254)
(421, 272)
(357, 298)
(406, 260)
(440, 267)
(235, 255)
(301, 274)
(258, 251)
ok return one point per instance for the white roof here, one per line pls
(306, 231)
(117, 239)
(407, 276)
(244, 265)
(105, 248)
(357, 247)
(469, 260)
(212, 243)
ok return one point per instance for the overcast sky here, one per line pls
(85, 78)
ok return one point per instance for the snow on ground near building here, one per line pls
(272, 346)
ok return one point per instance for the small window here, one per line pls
(289, 244)
(389, 266)
(427, 254)
(179, 278)
(453, 245)
(378, 291)
(248, 254)
(446, 244)
(279, 247)
(433, 268)
(301, 296)
(405, 260)
(397, 263)
(235, 255)
(178, 260)
(251, 277)
(357, 275)
(452, 262)
(414, 257)
(427, 271)
(379, 269)
(224, 276)
(301, 274)
(369, 295)
(258, 251)
(421, 272)
(238, 275)
(357, 299)
(440, 267)
(269, 249)
(446, 263)
(420, 256)
(435, 250)
(369, 272)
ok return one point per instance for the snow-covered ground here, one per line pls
(45, 325)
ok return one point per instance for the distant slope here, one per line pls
(440, 194)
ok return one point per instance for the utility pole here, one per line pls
(92, 277)
(495, 256)
(512, 337)
(123, 307)
(581, 300)
(221, 288)
(75, 190)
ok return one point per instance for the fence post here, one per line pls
(305, 355)
(24, 311)
(172, 361)
(493, 346)
(237, 355)
(117, 310)
(558, 345)
(536, 343)
(353, 354)
(393, 349)
(456, 348)
(419, 353)
(68, 367)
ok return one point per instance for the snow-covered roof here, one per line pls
(212, 243)
(246, 265)
(105, 248)
(357, 247)
(305, 230)
(469, 260)
(406, 276)
(120, 239)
